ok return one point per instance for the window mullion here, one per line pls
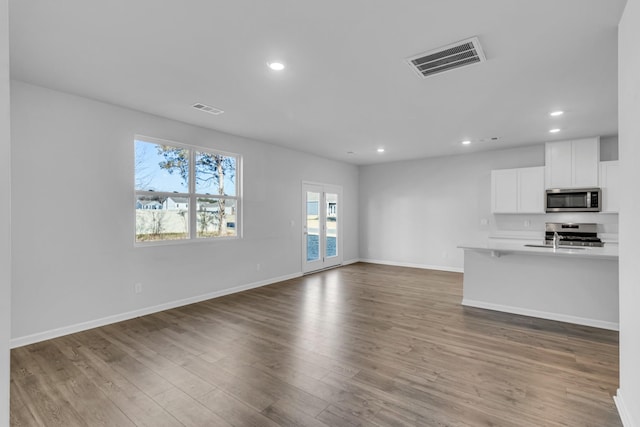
(193, 201)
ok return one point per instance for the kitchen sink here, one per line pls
(551, 247)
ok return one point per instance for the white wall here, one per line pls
(5, 212)
(417, 212)
(608, 148)
(628, 397)
(73, 170)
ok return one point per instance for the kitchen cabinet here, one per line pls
(518, 190)
(531, 190)
(610, 184)
(572, 164)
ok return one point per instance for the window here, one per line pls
(185, 192)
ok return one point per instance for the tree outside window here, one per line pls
(184, 192)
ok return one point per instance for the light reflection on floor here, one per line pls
(321, 313)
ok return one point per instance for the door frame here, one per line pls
(324, 262)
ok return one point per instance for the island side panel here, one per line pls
(576, 290)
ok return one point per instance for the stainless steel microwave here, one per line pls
(573, 200)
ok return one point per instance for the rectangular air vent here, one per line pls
(208, 109)
(456, 55)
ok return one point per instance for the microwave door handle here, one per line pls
(588, 199)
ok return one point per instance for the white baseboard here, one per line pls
(412, 265)
(623, 411)
(542, 314)
(79, 327)
(351, 261)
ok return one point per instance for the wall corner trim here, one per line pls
(83, 326)
(622, 410)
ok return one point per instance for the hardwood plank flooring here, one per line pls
(361, 345)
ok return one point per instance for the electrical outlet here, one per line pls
(258, 266)
(137, 288)
(527, 223)
(484, 221)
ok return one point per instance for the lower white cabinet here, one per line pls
(518, 190)
(610, 184)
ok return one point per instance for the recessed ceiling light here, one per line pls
(380, 150)
(276, 66)
(556, 113)
(556, 130)
(466, 142)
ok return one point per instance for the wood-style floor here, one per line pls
(363, 345)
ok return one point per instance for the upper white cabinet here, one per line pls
(531, 190)
(558, 159)
(572, 164)
(517, 190)
(610, 184)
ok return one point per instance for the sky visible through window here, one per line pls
(149, 175)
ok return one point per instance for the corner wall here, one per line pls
(5, 215)
(628, 396)
(74, 262)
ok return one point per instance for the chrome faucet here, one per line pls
(556, 240)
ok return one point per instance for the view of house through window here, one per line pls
(184, 192)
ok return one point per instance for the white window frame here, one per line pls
(192, 196)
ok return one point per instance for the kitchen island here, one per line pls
(575, 285)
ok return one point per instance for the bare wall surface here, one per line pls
(5, 216)
(608, 148)
(73, 255)
(628, 397)
(419, 211)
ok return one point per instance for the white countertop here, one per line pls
(502, 248)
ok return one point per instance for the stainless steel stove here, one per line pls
(573, 234)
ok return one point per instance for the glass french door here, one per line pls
(321, 246)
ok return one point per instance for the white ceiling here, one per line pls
(347, 86)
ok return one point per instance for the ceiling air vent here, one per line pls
(456, 55)
(208, 109)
